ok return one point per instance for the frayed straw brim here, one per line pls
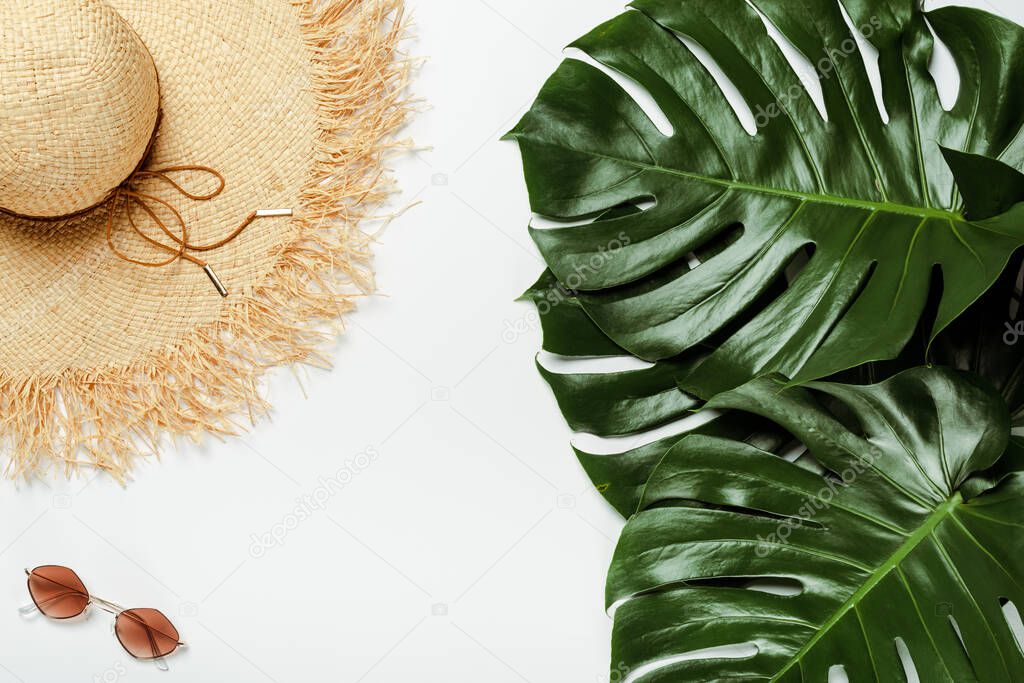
(296, 103)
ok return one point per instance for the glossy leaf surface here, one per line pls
(907, 537)
(871, 195)
(623, 403)
(987, 340)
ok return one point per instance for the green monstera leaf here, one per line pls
(624, 403)
(872, 197)
(987, 340)
(898, 533)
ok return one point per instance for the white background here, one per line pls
(468, 544)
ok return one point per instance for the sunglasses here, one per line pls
(144, 633)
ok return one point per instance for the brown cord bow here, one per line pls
(183, 247)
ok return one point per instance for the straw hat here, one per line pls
(181, 188)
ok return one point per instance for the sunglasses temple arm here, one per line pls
(154, 648)
(157, 659)
(28, 609)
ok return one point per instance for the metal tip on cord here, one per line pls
(221, 289)
(262, 213)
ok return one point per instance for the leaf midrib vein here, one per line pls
(817, 198)
(925, 530)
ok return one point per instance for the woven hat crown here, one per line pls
(79, 103)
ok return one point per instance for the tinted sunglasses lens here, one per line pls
(58, 592)
(146, 633)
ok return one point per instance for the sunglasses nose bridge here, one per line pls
(106, 605)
